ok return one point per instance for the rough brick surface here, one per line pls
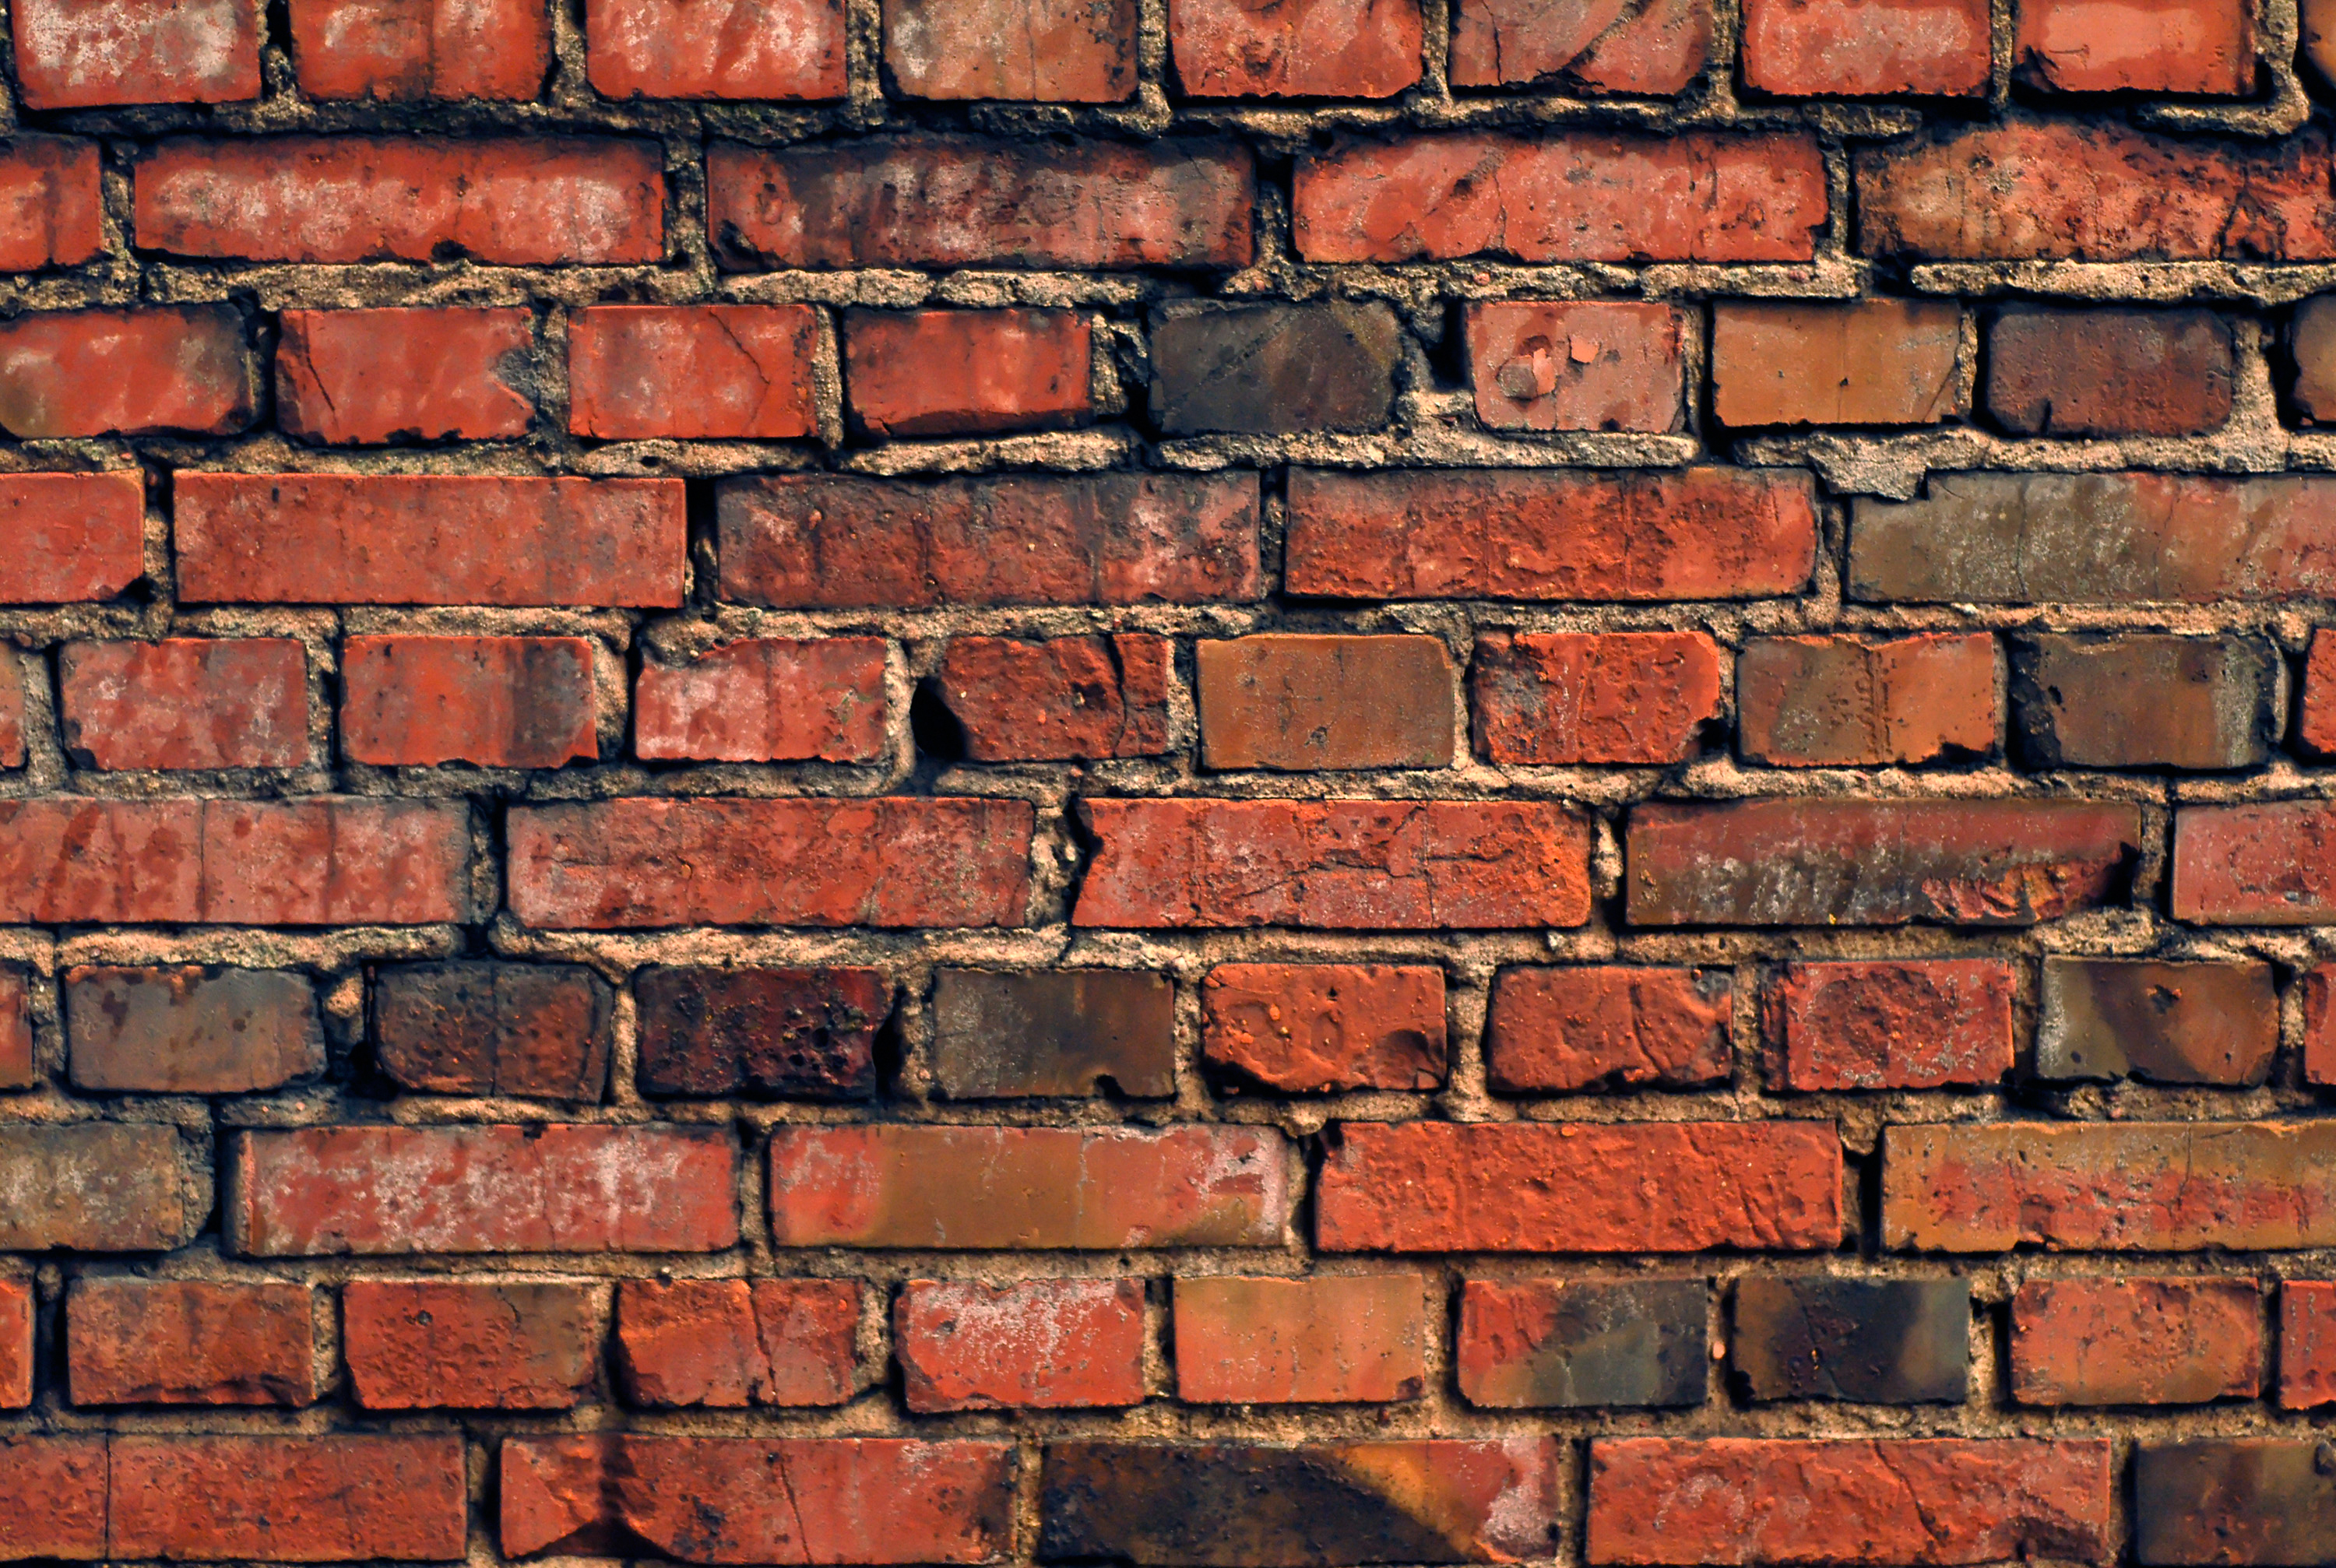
(807, 1034)
(1033, 1344)
(403, 50)
(638, 371)
(781, 49)
(2109, 372)
(1299, 1027)
(324, 1499)
(1866, 48)
(127, 372)
(1882, 361)
(538, 1031)
(764, 699)
(1536, 1344)
(1045, 51)
(1309, 49)
(51, 190)
(730, 1343)
(2136, 1341)
(2168, 46)
(1566, 698)
(1559, 1029)
(185, 703)
(523, 702)
(1860, 1342)
(348, 377)
(181, 1342)
(1859, 702)
(504, 1347)
(967, 372)
(1066, 698)
(16, 1345)
(188, 1031)
(1657, 48)
(76, 54)
(1060, 1032)
(1890, 1026)
(1578, 365)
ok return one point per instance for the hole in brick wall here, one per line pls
(939, 737)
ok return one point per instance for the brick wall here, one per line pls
(1162, 781)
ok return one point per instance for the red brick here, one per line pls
(76, 54)
(1550, 534)
(1583, 196)
(2307, 1344)
(626, 864)
(731, 1343)
(2269, 865)
(1307, 49)
(1517, 1187)
(692, 372)
(2109, 372)
(1924, 1501)
(966, 372)
(15, 1364)
(319, 861)
(981, 1189)
(2204, 46)
(1300, 1029)
(81, 535)
(469, 1347)
(52, 203)
(1049, 50)
(2095, 1187)
(1577, 365)
(2318, 995)
(185, 703)
(864, 1500)
(1655, 51)
(376, 1191)
(127, 372)
(781, 49)
(1027, 1344)
(403, 50)
(1065, 698)
(2095, 192)
(1545, 698)
(94, 1187)
(1332, 1339)
(189, 1030)
(1856, 702)
(183, 1343)
(1868, 362)
(1530, 1344)
(413, 539)
(17, 1068)
(2136, 1341)
(309, 1499)
(52, 1497)
(834, 541)
(1818, 862)
(523, 701)
(1559, 1030)
(765, 699)
(12, 710)
(935, 202)
(499, 201)
(2316, 715)
(1866, 48)
(348, 377)
(1337, 865)
(1921, 1025)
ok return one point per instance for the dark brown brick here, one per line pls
(1273, 369)
(1547, 1344)
(538, 1031)
(1304, 1028)
(1862, 702)
(2170, 1022)
(1053, 1032)
(808, 1034)
(2109, 372)
(2235, 1500)
(1559, 1030)
(190, 1031)
(1864, 1341)
(2142, 700)
(1301, 702)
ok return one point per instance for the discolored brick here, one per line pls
(324, 1498)
(518, 702)
(80, 53)
(2233, 1500)
(132, 1341)
(2205, 46)
(799, 1033)
(1859, 702)
(2318, 994)
(1867, 48)
(1329, 1338)
(403, 50)
(765, 699)
(692, 372)
(1558, 699)
(350, 377)
(81, 536)
(2132, 1341)
(1577, 365)
(2310, 342)
(2140, 700)
(1658, 50)
(967, 372)
(1309, 49)
(1862, 1341)
(2316, 719)
(1069, 1032)
(18, 1070)
(2307, 1344)
(1273, 369)
(538, 1031)
(1302, 702)
(185, 703)
(2271, 865)
(1875, 361)
(1544, 1344)
(2168, 1023)
(95, 1187)
(1063, 699)
(420, 1346)
(139, 372)
(773, 49)
(190, 1031)
(1927, 1024)
(1042, 51)
(732, 1343)
(1026, 1344)
(1560, 1030)
(54, 199)
(12, 711)
(15, 1362)
(1301, 1029)
(2109, 372)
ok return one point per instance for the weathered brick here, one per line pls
(79, 536)
(341, 198)
(2140, 700)
(403, 50)
(1577, 365)
(837, 541)
(52, 203)
(2312, 345)
(765, 699)
(2136, 1341)
(1690, 196)
(1300, 1029)
(1233, 1505)
(1066, 698)
(944, 203)
(12, 711)
(523, 702)
(1867, 48)
(979, 1189)
(1297, 702)
(435, 539)
(1273, 369)
(79, 54)
(133, 1341)
(1046, 51)
(1550, 533)
(1934, 1501)
(539, 1031)
(1658, 49)
(866, 1500)
(2307, 1344)
(18, 1069)
(1340, 865)
(362, 377)
(1026, 1344)
(94, 1187)
(2273, 864)
(1865, 1341)
(1559, 1030)
(2318, 986)
(692, 372)
(1517, 1187)
(421, 1346)
(127, 372)
(2109, 372)
(16, 1365)
(1309, 49)
(2204, 46)
(2249, 1500)
(2170, 1022)
(621, 864)
(731, 1343)
(1540, 1344)
(966, 372)
(2127, 1186)
(807, 1034)
(189, 1030)
(783, 49)
(52, 1500)
(307, 1499)
(1053, 1032)
(1330, 1338)
(2315, 723)
(1924, 1024)
(1563, 697)
(185, 703)
(1871, 362)
(382, 1190)
(1859, 702)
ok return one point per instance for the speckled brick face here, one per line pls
(1340, 784)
